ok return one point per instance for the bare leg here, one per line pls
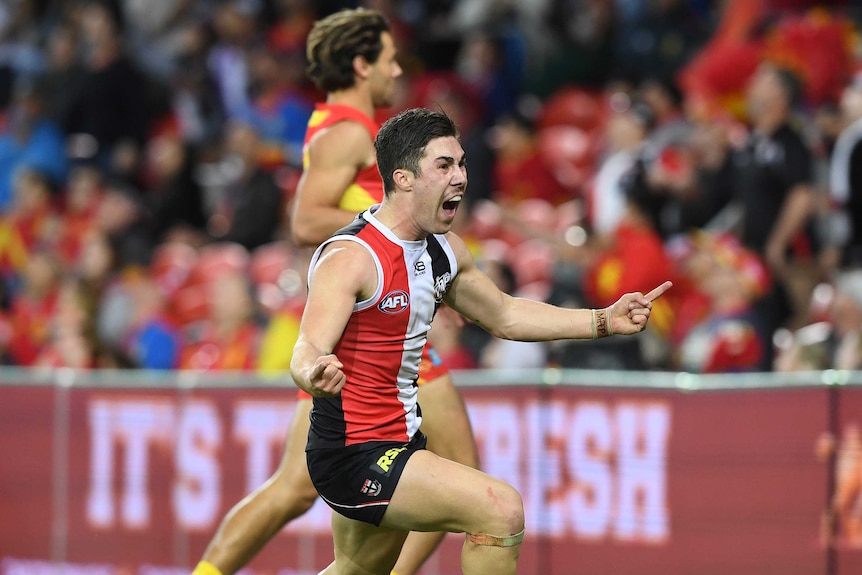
(362, 548)
(464, 500)
(256, 519)
(445, 422)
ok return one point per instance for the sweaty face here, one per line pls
(440, 185)
(384, 72)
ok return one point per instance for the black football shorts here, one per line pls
(358, 481)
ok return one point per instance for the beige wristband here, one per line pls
(601, 323)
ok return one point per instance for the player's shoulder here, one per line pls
(346, 264)
(343, 140)
(344, 256)
(347, 129)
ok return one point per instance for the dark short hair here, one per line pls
(336, 40)
(401, 141)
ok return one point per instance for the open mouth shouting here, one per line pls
(450, 207)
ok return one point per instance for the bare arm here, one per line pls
(344, 275)
(475, 296)
(335, 156)
(795, 211)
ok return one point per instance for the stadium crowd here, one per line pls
(149, 152)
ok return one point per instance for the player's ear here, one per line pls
(361, 67)
(403, 179)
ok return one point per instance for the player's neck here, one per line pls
(394, 217)
(354, 98)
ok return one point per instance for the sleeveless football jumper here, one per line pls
(361, 439)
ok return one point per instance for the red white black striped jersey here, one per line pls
(382, 343)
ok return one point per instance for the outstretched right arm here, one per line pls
(475, 296)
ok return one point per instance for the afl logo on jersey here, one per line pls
(394, 302)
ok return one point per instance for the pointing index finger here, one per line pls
(659, 291)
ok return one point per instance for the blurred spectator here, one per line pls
(229, 338)
(657, 35)
(122, 218)
(279, 110)
(249, 207)
(665, 99)
(627, 131)
(83, 196)
(32, 222)
(155, 31)
(19, 34)
(33, 305)
(150, 341)
(684, 185)
(29, 140)
(633, 255)
(581, 51)
(774, 170)
(174, 195)
(712, 161)
(195, 99)
(102, 275)
(845, 182)
(73, 341)
(836, 341)
(520, 171)
(234, 25)
(96, 262)
(109, 116)
(64, 75)
(730, 338)
(482, 63)
(773, 181)
(293, 22)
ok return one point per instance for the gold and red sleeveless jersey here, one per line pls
(382, 343)
(367, 189)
